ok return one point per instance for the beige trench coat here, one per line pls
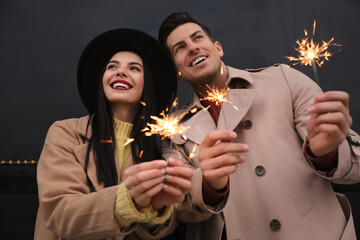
(276, 193)
(68, 210)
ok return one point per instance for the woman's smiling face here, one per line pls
(123, 79)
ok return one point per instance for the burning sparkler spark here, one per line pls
(129, 140)
(312, 53)
(193, 110)
(166, 126)
(217, 96)
(193, 154)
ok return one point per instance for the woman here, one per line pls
(92, 183)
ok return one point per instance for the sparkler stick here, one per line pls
(192, 154)
(312, 53)
(315, 72)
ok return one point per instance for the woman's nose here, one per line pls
(121, 72)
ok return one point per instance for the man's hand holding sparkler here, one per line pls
(329, 123)
(219, 157)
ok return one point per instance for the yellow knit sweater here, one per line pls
(126, 212)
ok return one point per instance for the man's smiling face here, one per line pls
(194, 54)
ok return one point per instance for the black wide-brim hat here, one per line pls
(99, 51)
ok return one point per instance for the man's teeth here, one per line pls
(198, 60)
(121, 85)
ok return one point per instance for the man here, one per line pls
(264, 158)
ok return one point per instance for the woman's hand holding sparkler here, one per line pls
(145, 180)
(329, 123)
(158, 182)
(219, 157)
(177, 183)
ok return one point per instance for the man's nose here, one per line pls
(193, 48)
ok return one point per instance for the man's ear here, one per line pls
(219, 48)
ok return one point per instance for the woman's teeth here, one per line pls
(121, 85)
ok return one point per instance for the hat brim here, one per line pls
(103, 47)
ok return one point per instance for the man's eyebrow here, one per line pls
(196, 32)
(180, 42)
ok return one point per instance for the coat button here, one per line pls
(260, 171)
(247, 124)
(275, 225)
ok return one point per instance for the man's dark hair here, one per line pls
(175, 20)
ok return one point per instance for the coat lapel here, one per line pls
(80, 152)
(230, 116)
(232, 113)
(198, 124)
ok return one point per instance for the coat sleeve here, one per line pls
(193, 208)
(69, 209)
(303, 90)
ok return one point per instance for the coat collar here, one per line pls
(230, 116)
(238, 74)
(82, 127)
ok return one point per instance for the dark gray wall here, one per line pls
(41, 41)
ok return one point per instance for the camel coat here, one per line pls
(276, 193)
(68, 209)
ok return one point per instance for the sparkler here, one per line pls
(167, 126)
(217, 96)
(192, 154)
(129, 140)
(312, 53)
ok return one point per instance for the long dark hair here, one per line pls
(102, 122)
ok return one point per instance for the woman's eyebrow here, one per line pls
(135, 63)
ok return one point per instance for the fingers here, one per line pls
(143, 187)
(155, 164)
(142, 177)
(329, 123)
(214, 136)
(144, 180)
(332, 96)
(177, 181)
(221, 161)
(220, 173)
(144, 199)
(176, 184)
(335, 118)
(334, 101)
(179, 176)
(174, 162)
(220, 149)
